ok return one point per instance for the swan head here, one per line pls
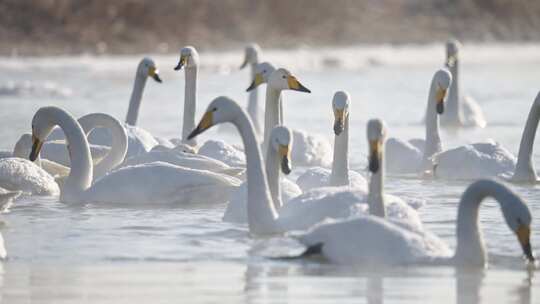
(221, 109)
(42, 126)
(282, 79)
(452, 52)
(340, 105)
(281, 141)
(261, 74)
(147, 68)
(189, 58)
(518, 218)
(442, 80)
(376, 135)
(251, 56)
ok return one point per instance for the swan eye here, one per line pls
(264, 71)
(284, 77)
(214, 109)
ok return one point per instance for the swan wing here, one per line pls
(17, 174)
(311, 150)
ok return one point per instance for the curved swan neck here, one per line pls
(260, 208)
(272, 173)
(271, 113)
(525, 170)
(433, 139)
(375, 192)
(253, 103)
(80, 175)
(119, 145)
(340, 164)
(470, 244)
(190, 104)
(135, 100)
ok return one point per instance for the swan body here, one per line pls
(224, 152)
(407, 157)
(3, 252)
(187, 160)
(6, 199)
(263, 218)
(461, 111)
(340, 175)
(17, 174)
(309, 150)
(387, 243)
(491, 159)
(281, 189)
(154, 183)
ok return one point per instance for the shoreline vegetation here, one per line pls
(54, 27)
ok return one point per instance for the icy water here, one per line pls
(64, 254)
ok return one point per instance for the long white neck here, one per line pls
(525, 171)
(470, 248)
(253, 103)
(433, 139)
(135, 100)
(80, 175)
(452, 113)
(119, 145)
(190, 104)
(340, 165)
(273, 164)
(271, 113)
(260, 207)
(375, 192)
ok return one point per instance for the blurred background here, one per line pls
(34, 27)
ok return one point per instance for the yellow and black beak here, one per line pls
(374, 155)
(339, 120)
(451, 61)
(285, 154)
(244, 64)
(256, 82)
(181, 63)
(441, 93)
(295, 85)
(154, 73)
(205, 123)
(523, 234)
(36, 148)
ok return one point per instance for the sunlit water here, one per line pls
(60, 253)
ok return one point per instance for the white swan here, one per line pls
(153, 183)
(281, 189)
(406, 157)
(6, 199)
(189, 60)
(309, 150)
(251, 58)
(461, 111)
(491, 159)
(340, 175)
(139, 140)
(263, 218)
(373, 240)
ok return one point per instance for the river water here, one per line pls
(65, 254)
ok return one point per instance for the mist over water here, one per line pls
(61, 253)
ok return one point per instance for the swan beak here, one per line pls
(451, 61)
(295, 85)
(154, 73)
(256, 82)
(205, 123)
(181, 63)
(523, 233)
(244, 64)
(339, 117)
(36, 148)
(441, 93)
(374, 155)
(285, 154)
